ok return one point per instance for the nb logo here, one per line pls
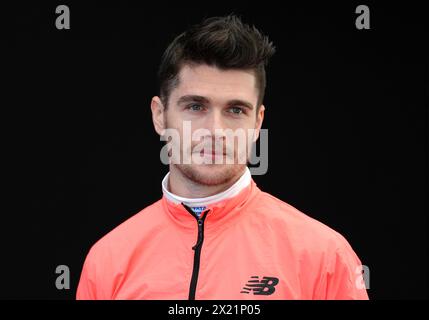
(260, 287)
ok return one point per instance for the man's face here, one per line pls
(211, 100)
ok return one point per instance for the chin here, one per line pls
(211, 174)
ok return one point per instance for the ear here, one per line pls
(259, 120)
(157, 115)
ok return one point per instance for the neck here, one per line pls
(182, 186)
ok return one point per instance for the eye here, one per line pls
(236, 110)
(195, 107)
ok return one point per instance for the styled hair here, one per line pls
(223, 42)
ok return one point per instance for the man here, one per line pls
(215, 234)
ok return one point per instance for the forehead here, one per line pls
(216, 84)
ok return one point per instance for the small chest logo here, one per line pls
(265, 286)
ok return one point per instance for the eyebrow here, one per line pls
(202, 99)
(192, 98)
(241, 103)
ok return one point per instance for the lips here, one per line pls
(212, 153)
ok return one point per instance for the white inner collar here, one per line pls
(235, 189)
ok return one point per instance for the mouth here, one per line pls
(213, 153)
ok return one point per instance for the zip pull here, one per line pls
(200, 234)
(200, 222)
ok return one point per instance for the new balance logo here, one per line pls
(260, 287)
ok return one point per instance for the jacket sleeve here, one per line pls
(94, 284)
(87, 289)
(344, 278)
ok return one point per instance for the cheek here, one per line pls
(237, 124)
(246, 125)
(173, 120)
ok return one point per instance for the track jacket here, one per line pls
(248, 246)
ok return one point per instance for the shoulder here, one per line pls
(299, 228)
(108, 258)
(127, 234)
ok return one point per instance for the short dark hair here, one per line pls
(223, 42)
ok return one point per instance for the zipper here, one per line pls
(197, 250)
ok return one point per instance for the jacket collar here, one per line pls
(233, 190)
(217, 214)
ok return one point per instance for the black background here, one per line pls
(346, 111)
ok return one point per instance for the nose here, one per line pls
(215, 122)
